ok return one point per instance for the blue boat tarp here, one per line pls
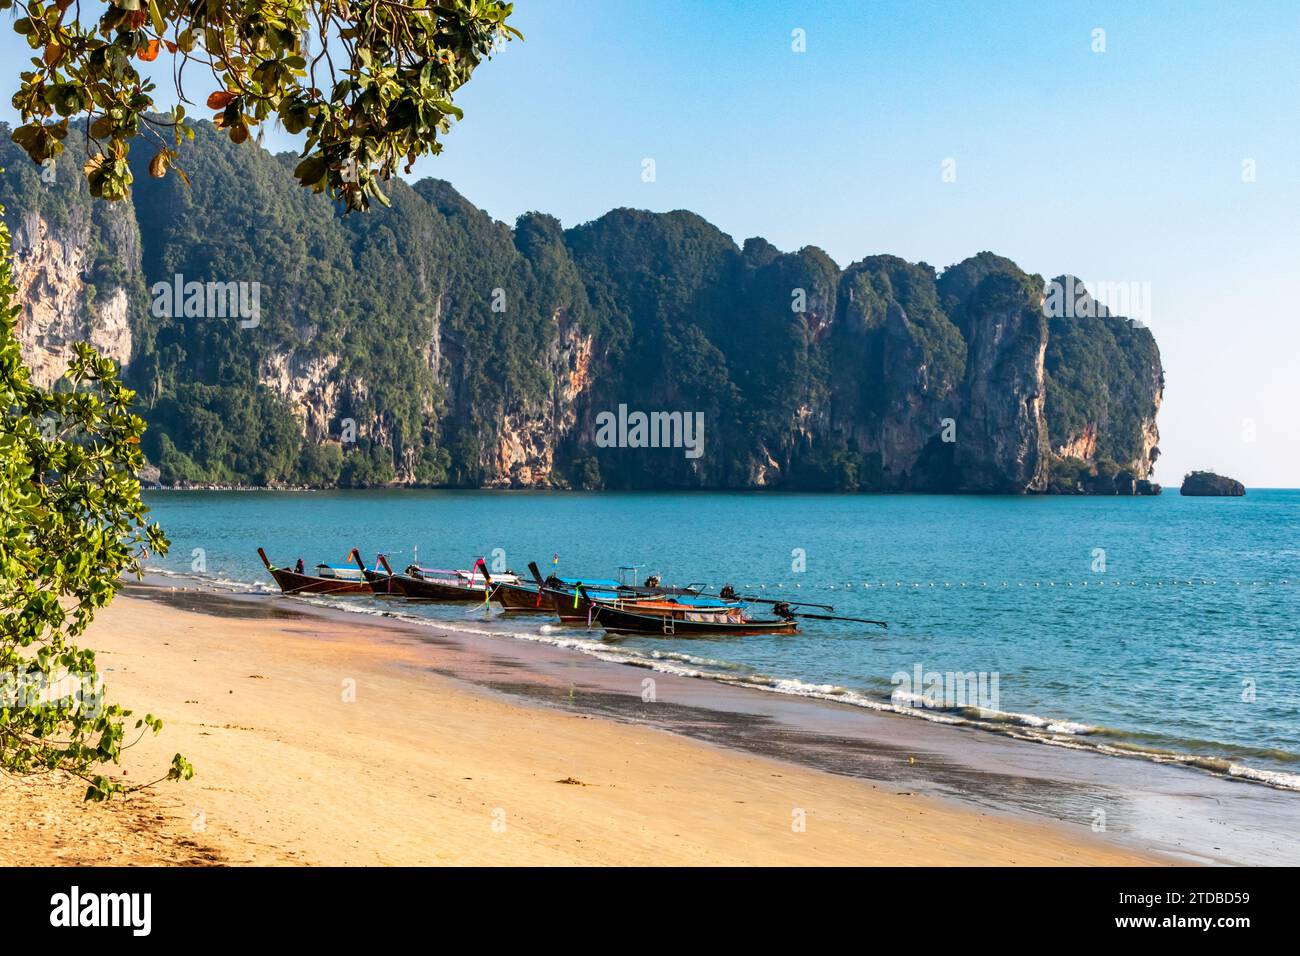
(701, 601)
(589, 583)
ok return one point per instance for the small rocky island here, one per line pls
(1207, 483)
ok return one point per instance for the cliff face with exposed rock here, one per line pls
(62, 302)
(1105, 385)
(426, 343)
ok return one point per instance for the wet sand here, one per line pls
(1186, 813)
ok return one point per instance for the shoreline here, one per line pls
(552, 489)
(1176, 808)
(449, 735)
(1029, 727)
(1151, 813)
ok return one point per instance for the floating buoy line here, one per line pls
(997, 584)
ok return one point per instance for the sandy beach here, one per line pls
(323, 741)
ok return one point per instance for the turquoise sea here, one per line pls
(1166, 626)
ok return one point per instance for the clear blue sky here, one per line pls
(1122, 166)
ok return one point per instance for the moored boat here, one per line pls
(576, 607)
(443, 585)
(569, 597)
(625, 618)
(327, 579)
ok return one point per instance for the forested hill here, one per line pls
(426, 343)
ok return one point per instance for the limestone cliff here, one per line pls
(53, 273)
(309, 387)
(426, 343)
(1104, 383)
(1002, 438)
(523, 452)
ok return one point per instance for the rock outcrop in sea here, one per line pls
(1208, 484)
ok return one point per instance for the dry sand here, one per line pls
(320, 743)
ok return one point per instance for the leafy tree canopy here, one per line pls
(370, 82)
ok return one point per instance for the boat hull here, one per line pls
(579, 612)
(422, 589)
(623, 621)
(517, 597)
(291, 582)
(561, 604)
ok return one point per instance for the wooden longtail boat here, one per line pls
(630, 619)
(381, 582)
(656, 609)
(438, 584)
(328, 579)
(575, 607)
(561, 594)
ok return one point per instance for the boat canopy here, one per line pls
(459, 576)
(342, 572)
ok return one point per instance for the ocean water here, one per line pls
(1167, 628)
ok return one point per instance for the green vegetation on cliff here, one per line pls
(1101, 370)
(427, 343)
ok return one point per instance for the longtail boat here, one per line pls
(690, 613)
(576, 607)
(631, 618)
(562, 594)
(439, 584)
(381, 582)
(328, 579)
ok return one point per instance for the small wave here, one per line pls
(215, 581)
(1273, 778)
(1049, 724)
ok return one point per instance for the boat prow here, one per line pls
(381, 582)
